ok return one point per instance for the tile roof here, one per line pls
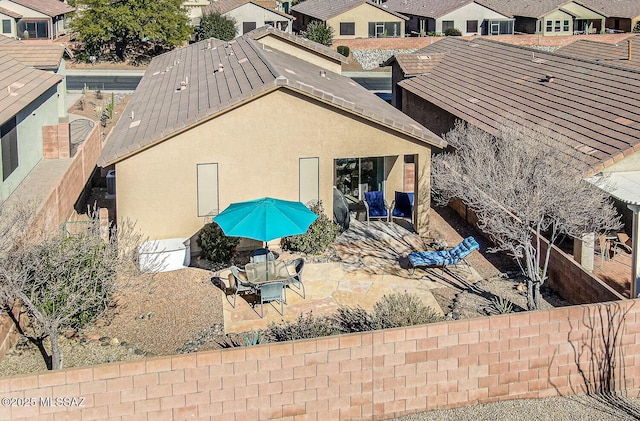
(224, 6)
(533, 9)
(614, 54)
(40, 56)
(51, 8)
(184, 87)
(590, 104)
(20, 85)
(260, 33)
(414, 64)
(326, 9)
(617, 8)
(429, 8)
(10, 13)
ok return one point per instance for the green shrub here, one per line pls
(344, 50)
(452, 32)
(320, 32)
(320, 235)
(354, 319)
(305, 327)
(398, 310)
(216, 247)
(501, 305)
(234, 340)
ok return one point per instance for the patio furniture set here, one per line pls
(376, 207)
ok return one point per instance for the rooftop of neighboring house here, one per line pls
(40, 56)
(428, 8)
(305, 43)
(198, 82)
(224, 6)
(51, 8)
(414, 64)
(589, 103)
(327, 9)
(620, 54)
(533, 9)
(21, 85)
(10, 13)
(617, 8)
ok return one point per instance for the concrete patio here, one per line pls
(372, 263)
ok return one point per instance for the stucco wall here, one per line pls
(554, 16)
(429, 115)
(257, 148)
(298, 51)
(471, 11)
(41, 112)
(249, 12)
(362, 15)
(12, 33)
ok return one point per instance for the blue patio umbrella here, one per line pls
(265, 219)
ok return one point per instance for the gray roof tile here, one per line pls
(430, 8)
(326, 9)
(162, 110)
(51, 8)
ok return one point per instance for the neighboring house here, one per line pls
(619, 54)
(551, 17)
(622, 15)
(262, 123)
(468, 16)
(34, 19)
(28, 106)
(194, 10)
(300, 47)
(350, 18)
(250, 15)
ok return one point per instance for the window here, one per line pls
(447, 24)
(309, 180)
(549, 26)
(9, 141)
(556, 28)
(6, 26)
(472, 26)
(248, 27)
(33, 29)
(207, 181)
(355, 176)
(347, 28)
(565, 26)
(384, 29)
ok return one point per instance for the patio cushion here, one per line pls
(403, 207)
(444, 257)
(375, 200)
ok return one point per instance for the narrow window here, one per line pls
(549, 26)
(9, 141)
(347, 28)
(557, 26)
(6, 26)
(565, 26)
(248, 27)
(472, 26)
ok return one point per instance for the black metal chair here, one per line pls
(296, 278)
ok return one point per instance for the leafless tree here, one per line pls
(51, 282)
(522, 184)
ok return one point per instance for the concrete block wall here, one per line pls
(56, 141)
(373, 375)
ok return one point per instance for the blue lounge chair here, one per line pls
(444, 258)
(402, 206)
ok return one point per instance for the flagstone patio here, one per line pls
(373, 264)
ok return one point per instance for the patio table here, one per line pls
(260, 273)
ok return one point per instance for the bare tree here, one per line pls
(522, 184)
(50, 283)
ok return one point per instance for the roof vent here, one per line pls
(323, 73)
(220, 68)
(547, 78)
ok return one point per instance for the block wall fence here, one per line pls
(363, 376)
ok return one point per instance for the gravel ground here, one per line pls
(548, 409)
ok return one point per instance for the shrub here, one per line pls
(305, 327)
(214, 25)
(452, 32)
(320, 235)
(344, 50)
(216, 247)
(398, 310)
(251, 338)
(354, 319)
(320, 33)
(501, 305)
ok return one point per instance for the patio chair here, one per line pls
(622, 242)
(237, 281)
(295, 278)
(270, 292)
(262, 255)
(443, 258)
(376, 206)
(402, 206)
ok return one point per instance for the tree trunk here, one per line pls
(121, 46)
(530, 295)
(536, 296)
(56, 352)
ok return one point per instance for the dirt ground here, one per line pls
(92, 104)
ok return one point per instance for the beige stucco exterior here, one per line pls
(361, 16)
(257, 147)
(571, 12)
(301, 53)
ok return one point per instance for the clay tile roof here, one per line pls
(180, 89)
(534, 9)
(617, 8)
(589, 103)
(414, 64)
(260, 33)
(20, 85)
(224, 6)
(614, 54)
(326, 9)
(40, 56)
(428, 8)
(10, 13)
(51, 8)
